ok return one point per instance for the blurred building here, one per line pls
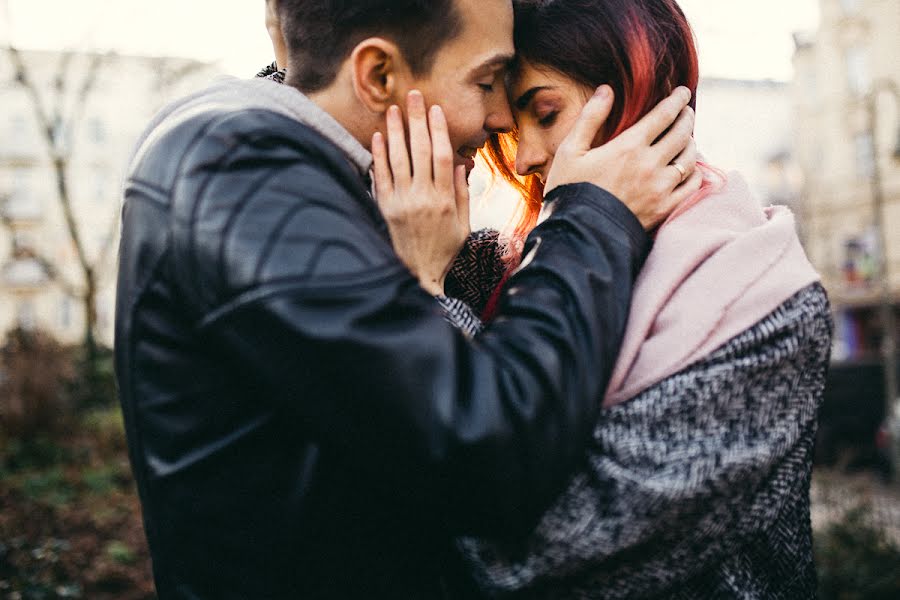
(745, 126)
(849, 63)
(36, 251)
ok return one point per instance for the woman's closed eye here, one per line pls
(549, 119)
(545, 113)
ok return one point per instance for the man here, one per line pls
(302, 422)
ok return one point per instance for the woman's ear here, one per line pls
(273, 26)
(380, 73)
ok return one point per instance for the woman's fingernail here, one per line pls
(602, 91)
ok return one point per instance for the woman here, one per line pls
(696, 483)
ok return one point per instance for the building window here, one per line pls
(23, 241)
(24, 273)
(810, 86)
(27, 317)
(61, 134)
(865, 160)
(22, 204)
(850, 7)
(857, 70)
(65, 312)
(860, 268)
(101, 189)
(18, 126)
(97, 129)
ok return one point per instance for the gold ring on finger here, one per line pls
(681, 170)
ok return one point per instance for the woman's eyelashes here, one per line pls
(548, 120)
(545, 112)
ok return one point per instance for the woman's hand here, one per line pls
(638, 166)
(425, 203)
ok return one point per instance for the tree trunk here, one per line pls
(91, 354)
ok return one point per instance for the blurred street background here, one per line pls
(800, 96)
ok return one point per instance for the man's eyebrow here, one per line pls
(525, 98)
(498, 60)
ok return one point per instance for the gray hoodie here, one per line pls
(246, 94)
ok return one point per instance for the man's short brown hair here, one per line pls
(320, 34)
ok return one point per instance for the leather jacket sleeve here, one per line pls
(300, 292)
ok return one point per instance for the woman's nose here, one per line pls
(529, 159)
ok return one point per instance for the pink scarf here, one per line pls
(715, 270)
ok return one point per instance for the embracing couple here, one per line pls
(333, 389)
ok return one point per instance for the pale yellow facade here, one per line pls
(128, 92)
(852, 61)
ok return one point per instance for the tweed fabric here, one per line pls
(273, 73)
(696, 488)
(477, 270)
(460, 315)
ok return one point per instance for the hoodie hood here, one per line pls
(248, 94)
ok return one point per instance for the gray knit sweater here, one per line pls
(696, 488)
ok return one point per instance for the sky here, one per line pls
(737, 39)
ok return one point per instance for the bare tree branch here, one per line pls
(59, 112)
(59, 158)
(45, 122)
(169, 73)
(88, 84)
(108, 243)
(52, 273)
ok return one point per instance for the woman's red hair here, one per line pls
(644, 49)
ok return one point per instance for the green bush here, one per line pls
(37, 372)
(95, 384)
(106, 427)
(39, 452)
(50, 486)
(856, 561)
(120, 552)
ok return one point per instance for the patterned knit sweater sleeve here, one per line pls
(473, 276)
(696, 488)
(477, 270)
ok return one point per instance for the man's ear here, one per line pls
(380, 73)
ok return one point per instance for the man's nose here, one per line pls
(499, 118)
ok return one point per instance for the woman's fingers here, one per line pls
(663, 115)
(676, 140)
(592, 117)
(398, 154)
(442, 151)
(384, 187)
(687, 161)
(419, 137)
(685, 190)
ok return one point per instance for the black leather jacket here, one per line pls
(302, 422)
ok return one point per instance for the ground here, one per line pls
(70, 522)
